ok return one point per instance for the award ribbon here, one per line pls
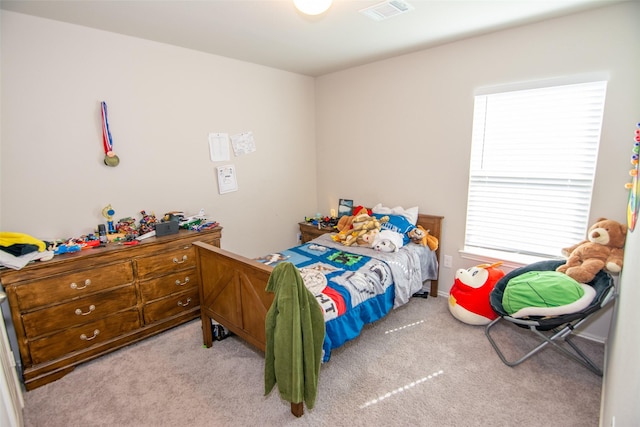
(110, 158)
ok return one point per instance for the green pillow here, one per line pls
(540, 289)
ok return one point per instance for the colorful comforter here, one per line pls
(357, 285)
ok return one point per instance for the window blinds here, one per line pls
(533, 162)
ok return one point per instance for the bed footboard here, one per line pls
(232, 292)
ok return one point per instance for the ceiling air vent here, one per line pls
(386, 9)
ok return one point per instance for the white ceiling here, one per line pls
(273, 33)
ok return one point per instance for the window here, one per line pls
(533, 161)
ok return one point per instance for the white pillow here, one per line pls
(411, 214)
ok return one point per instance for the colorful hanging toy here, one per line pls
(110, 158)
(634, 191)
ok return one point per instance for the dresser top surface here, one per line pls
(112, 251)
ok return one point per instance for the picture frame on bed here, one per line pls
(345, 207)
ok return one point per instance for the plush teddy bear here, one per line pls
(603, 249)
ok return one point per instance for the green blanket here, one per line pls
(295, 332)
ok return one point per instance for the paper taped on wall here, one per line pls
(227, 181)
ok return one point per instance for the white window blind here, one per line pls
(533, 161)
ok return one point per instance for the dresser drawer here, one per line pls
(81, 305)
(84, 336)
(78, 311)
(72, 285)
(170, 306)
(169, 284)
(167, 262)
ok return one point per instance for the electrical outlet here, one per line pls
(448, 261)
(298, 237)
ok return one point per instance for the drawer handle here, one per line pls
(184, 304)
(184, 258)
(74, 285)
(86, 338)
(80, 313)
(179, 283)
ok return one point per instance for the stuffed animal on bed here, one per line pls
(359, 229)
(469, 295)
(421, 236)
(388, 241)
(603, 249)
(368, 239)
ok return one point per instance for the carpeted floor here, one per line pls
(419, 366)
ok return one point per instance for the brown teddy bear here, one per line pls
(603, 249)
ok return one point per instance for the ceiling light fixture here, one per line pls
(312, 7)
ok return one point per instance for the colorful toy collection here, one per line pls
(359, 229)
(634, 190)
(381, 232)
(126, 232)
(322, 221)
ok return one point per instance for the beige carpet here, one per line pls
(419, 366)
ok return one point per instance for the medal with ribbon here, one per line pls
(110, 158)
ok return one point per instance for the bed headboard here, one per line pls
(433, 223)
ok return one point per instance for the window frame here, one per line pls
(472, 248)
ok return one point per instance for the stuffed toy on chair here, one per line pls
(469, 295)
(603, 249)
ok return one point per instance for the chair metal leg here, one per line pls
(497, 349)
(563, 333)
(588, 362)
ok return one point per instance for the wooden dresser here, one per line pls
(83, 305)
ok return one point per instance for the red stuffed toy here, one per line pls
(469, 295)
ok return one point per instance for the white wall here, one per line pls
(162, 102)
(399, 131)
(621, 386)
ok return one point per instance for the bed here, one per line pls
(232, 287)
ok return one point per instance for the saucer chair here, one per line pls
(551, 329)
